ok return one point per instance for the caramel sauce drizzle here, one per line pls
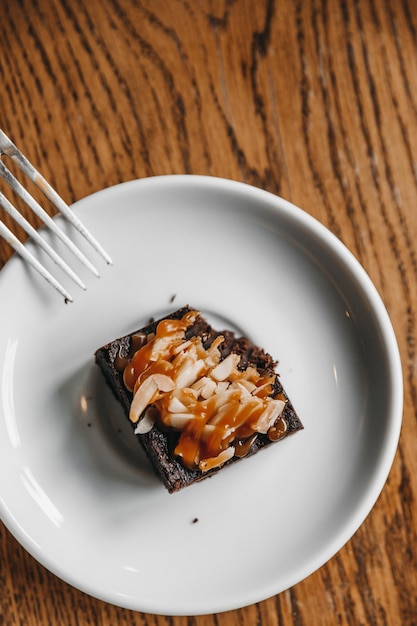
(218, 409)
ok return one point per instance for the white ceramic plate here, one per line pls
(75, 489)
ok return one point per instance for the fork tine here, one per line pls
(9, 148)
(18, 246)
(32, 232)
(63, 208)
(40, 212)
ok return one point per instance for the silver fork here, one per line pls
(8, 148)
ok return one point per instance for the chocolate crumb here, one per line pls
(174, 295)
(195, 520)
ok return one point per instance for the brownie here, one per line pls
(165, 446)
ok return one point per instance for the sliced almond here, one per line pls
(146, 423)
(225, 367)
(271, 413)
(250, 373)
(266, 387)
(208, 390)
(208, 431)
(147, 393)
(175, 405)
(222, 386)
(180, 420)
(163, 382)
(220, 459)
(245, 385)
(199, 383)
(189, 373)
(188, 355)
(182, 346)
(220, 400)
(162, 345)
(212, 356)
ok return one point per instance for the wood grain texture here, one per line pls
(315, 100)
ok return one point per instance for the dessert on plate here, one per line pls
(198, 399)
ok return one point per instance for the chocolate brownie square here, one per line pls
(198, 399)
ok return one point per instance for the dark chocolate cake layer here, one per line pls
(159, 443)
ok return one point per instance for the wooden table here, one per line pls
(313, 100)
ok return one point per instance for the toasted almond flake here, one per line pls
(147, 393)
(189, 373)
(199, 383)
(208, 390)
(245, 385)
(212, 356)
(219, 400)
(182, 346)
(261, 388)
(180, 420)
(269, 416)
(208, 431)
(163, 346)
(220, 459)
(225, 367)
(146, 423)
(142, 398)
(250, 373)
(175, 405)
(163, 382)
(214, 347)
(187, 395)
(222, 386)
(189, 353)
(243, 390)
